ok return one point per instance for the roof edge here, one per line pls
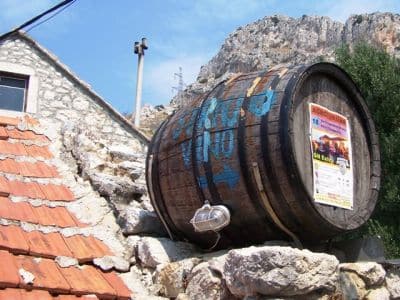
(85, 86)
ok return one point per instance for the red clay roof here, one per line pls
(24, 159)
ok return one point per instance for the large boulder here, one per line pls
(155, 251)
(173, 277)
(372, 273)
(205, 283)
(279, 271)
(393, 283)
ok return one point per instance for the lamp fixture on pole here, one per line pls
(139, 50)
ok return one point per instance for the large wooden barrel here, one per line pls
(291, 152)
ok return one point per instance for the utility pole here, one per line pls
(139, 50)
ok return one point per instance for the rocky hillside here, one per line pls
(279, 39)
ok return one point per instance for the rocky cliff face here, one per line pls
(279, 39)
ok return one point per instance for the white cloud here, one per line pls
(159, 79)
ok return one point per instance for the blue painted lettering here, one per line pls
(261, 104)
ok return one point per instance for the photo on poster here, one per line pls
(331, 157)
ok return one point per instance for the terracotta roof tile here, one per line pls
(3, 133)
(44, 170)
(53, 216)
(19, 294)
(12, 148)
(14, 294)
(35, 251)
(37, 151)
(57, 192)
(48, 216)
(9, 121)
(20, 211)
(46, 274)
(87, 280)
(47, 245)
(27, 189)
(86, 248)
(28, 169)
(18, 134)
(9, 166)
(73, 297)
(4, 186)
(13, 239)
(35, 190)
(8, 270)
(118, 285)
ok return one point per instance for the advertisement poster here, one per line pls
(331, 157)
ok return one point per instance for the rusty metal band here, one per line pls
(269, 208)
(155, 188)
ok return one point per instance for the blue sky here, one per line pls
(95, 37)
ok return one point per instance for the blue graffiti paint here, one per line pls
(187, 153)
(206, 145)
(228, 118)
(227, 138)
(207, 126)
(227, 176)
(181, 125)
(223, 144)
(261, 104)
(204, 113)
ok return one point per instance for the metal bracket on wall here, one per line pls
(270, 210)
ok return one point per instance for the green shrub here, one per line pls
(377, 74)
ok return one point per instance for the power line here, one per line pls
(52, 16)
(38, 17)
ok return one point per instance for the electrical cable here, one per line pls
(52, 16)
(34, 19)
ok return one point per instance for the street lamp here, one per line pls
(139, 50)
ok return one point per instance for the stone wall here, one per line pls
(275, 272)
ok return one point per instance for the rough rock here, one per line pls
(138, 220)
(121, 153)
(371, 272)
(174, 276)
(278, 39)
(352, 286)
(282, 271)
(393, 283)
(139, 283)
(133, 168)
(375, 294)
(109, 185)
(182, 296)
(156, 251)
(108, 262)
(152, 116)
(206, 284)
